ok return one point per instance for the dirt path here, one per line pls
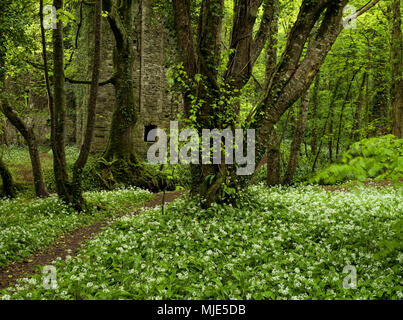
(67, 244)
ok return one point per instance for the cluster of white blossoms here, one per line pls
(27, 226)
(286, 243)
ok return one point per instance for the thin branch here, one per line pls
(79, 25)
(103, 83)
(45, 60)
(360, 12)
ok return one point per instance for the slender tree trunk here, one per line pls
(335, 94)
(397, 80)
(367, 106)
(297, 139)
(26, 132)
(315, 103)
(58, 114)
(30, 139)
(347, 97)
(330, 135)
(8, 184)
(273, 160)
(355, 134)
(91, 111)
(274, 143)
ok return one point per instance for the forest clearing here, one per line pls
(201, 150)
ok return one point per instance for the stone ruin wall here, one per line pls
(156, 106)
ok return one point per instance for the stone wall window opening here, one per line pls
(147, 130)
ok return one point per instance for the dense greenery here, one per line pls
(282, 244)
(27, 226)
(318, 85)
(375, 158)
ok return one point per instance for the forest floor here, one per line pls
(68, 244)
(277, 243)
(17, 159)
(280, 243)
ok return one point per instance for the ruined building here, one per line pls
(157, 106)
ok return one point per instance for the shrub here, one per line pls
(375, 158)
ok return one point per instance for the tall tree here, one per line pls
(30, 139)
(315, 107)
(216, 90)
(355, 134)
(91, 110)
(292, 78)
(68, 191)
(121, 21)
(12, 28)
(297, 139)
(397, 80)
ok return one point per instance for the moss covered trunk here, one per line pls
(120, 144)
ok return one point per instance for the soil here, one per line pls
(67, 244)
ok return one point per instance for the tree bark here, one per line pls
(297, 139)
(315, 103)
(347, 97)
(8, 184)
(91, 110)
(30, 139)
(355, 134)
(58, 112)
(273, 160)
(292, 79)
(120, 144)
(397, 80)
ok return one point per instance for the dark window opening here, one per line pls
(147, 130)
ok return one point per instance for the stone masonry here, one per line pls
(156, 105)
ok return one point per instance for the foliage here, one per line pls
(283, 243)
(27, 226)
(375, 158)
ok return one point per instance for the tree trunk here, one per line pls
(330, 134)
(335, 94)
(273, 160)
(8, 184)
(91, 111)
(315, 103)
(26, 132)
(274, 143)
(292, 77)
(355, 134)
(58, 112)
(30, 139)
(297, 139)
(347, 97)
(120, 144)
(397, 80)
